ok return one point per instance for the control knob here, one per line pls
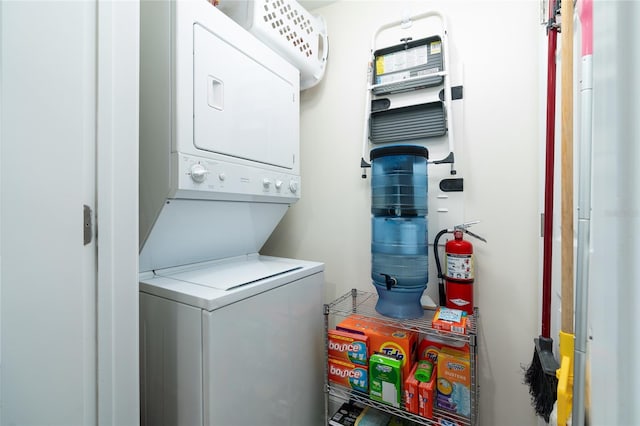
(293, 186)
(198, 173)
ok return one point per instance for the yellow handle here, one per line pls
(565, 378)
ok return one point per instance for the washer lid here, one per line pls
(234, 273)
(213, 285)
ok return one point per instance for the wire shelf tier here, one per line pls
(363, 303)
(347, 394)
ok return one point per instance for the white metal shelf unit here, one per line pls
(414, 82)
(363, 303)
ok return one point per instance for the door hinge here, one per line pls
(87, 224)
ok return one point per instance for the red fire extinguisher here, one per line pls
(456, 286)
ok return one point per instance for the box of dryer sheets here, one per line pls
(349, 375)
(454, 382)
(452, 320)
(385, 339)
(347, 346)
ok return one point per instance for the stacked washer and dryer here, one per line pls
(227, 336)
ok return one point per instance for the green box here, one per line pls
(385, 379)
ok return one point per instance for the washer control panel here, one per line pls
(211, 179)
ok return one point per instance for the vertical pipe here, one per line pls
(567, 205)
(584, 212)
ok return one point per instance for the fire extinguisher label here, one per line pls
(460, 266)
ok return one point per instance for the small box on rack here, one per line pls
(411, 399)
(385, 379)
(348, 346)
(452, 320)
(454, 382)
(349, 375)
(426, 395)
(430, 346)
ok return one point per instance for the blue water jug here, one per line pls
(399, 181)
(399, 249)
(399, 244)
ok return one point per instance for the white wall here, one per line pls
(498, 41)
(614, 296)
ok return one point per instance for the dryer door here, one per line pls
(242, 108)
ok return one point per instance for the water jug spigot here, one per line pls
(389, 281)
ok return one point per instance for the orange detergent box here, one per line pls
(430, 346)
(454, 382)
(419, 395)
(410, 387)
(348, 346)
(349, 375)
(426, 395)
(452, 320)
(384, 339)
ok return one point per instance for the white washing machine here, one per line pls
(227, 336)
(234, 342)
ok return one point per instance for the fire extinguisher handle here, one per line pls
(475, 235)
(464, 227)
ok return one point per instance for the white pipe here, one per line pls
(583, 249)
(584, 215)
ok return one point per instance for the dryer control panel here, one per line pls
(204, 178)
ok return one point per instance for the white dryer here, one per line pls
(227, 336)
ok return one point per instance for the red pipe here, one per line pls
(549, 173)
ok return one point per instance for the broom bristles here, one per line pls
(543, 388)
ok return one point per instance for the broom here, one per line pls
(541, 374)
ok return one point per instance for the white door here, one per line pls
(68, 128)
(227, 106)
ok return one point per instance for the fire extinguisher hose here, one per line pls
(441, 293)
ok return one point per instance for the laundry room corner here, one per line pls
(499, 164)
(319, 212)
